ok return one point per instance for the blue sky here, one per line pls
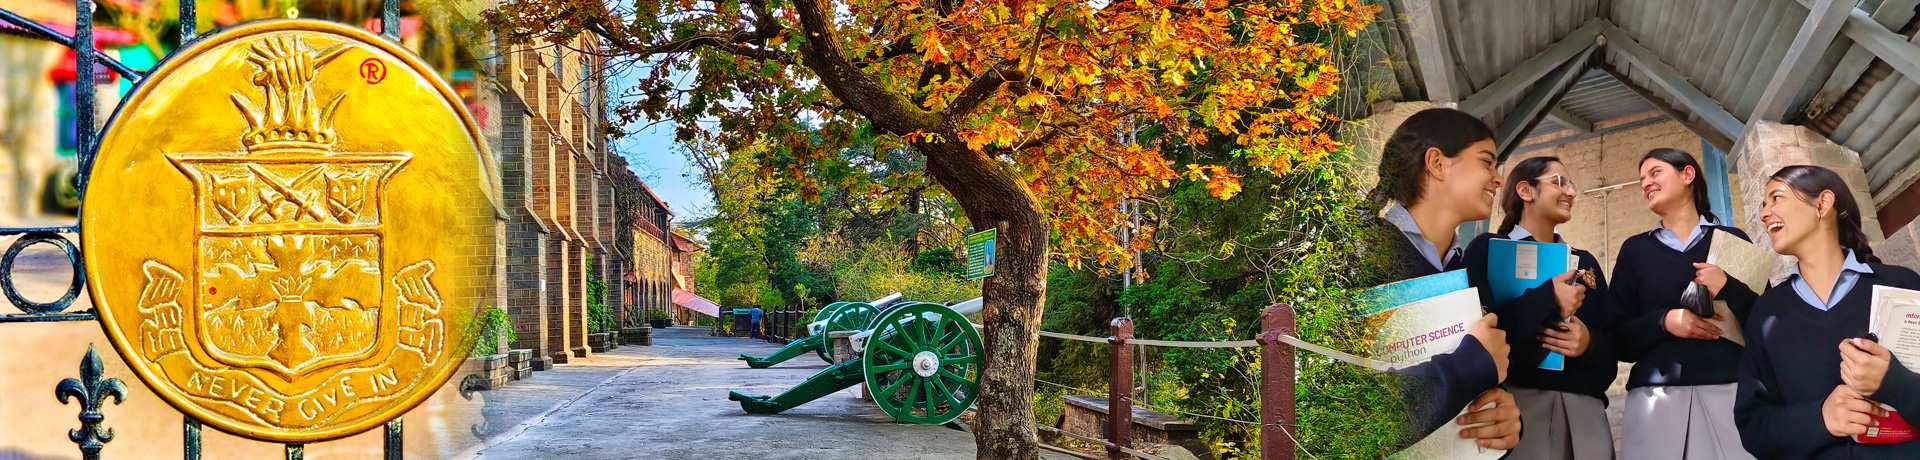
(653, 155)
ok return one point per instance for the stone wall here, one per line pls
(1606, 168)
(556, 199)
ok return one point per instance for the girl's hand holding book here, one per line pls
(1710, 276)
(1863, 365)
(1847, 413)
(1569, 338)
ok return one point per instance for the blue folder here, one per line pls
(1508, 276)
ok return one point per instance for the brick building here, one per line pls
(554, 165)
(647, 235)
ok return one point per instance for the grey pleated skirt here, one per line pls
(1681, 422)
(1562, 426)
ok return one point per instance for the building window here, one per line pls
(557, 63)
(1718, 195)
(586, 77)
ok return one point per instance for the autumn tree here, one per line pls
(1019, 108)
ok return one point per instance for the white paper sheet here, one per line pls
(1417, 331)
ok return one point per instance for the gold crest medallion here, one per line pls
(287, 228)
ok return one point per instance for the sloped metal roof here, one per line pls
(1726, 51)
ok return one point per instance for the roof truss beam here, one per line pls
(1538, 101)
(1720, 141)
(1817, 32)
(1568, 119)
(1515, 82)
(1890, 14)
(1676, 87)
(1902, 55)
(1433, 49)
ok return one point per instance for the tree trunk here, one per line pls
(913, 212)
(994, 198)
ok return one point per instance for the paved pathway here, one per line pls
(669, 401)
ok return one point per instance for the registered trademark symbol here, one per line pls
(373, 70)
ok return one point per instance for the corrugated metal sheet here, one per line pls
(1728, 49)
(1596, 97)
(1878, 118)
(1490, 38)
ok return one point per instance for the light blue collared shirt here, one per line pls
(1400, 218)
(1672, 240)
(1849, 276)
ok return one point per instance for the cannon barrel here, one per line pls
(837, 316)
(819, 324)
(969, 308)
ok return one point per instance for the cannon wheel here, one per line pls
(826, 345)
(922, 363)
(850, 317)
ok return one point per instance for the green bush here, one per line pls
(599, 317)
(1290, 239)
(491, 322)
(874, 269)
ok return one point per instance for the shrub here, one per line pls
(491, 322)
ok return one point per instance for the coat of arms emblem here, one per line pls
(288, 273)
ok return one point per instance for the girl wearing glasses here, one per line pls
(1681, 390)
(1807, 378)
(1564, 410)
(1437, 171)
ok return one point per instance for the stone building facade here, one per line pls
(651, 235)
(553, 157)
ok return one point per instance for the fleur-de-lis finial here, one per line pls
(91, 390)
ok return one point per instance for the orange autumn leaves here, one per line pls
(1085, 95)
(1104, 91)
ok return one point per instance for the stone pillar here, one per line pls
(525, 302)
(1769, 146)
(560, 341)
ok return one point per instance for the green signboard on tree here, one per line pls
(980, 254)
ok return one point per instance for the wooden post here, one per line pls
(1120, 390)
(1276, 384)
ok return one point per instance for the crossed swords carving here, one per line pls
(287, 194)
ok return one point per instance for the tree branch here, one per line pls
(737, 42)
(821, 53)
(901, 47)
(982, 88)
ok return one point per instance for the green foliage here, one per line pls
(788, 227)
(599, 317)
(491, 322)
(871, 270)
(939, 260)
(1291, 239)
(658, 313)
(810, 315)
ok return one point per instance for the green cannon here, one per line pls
(837, 316)
(920, 361)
